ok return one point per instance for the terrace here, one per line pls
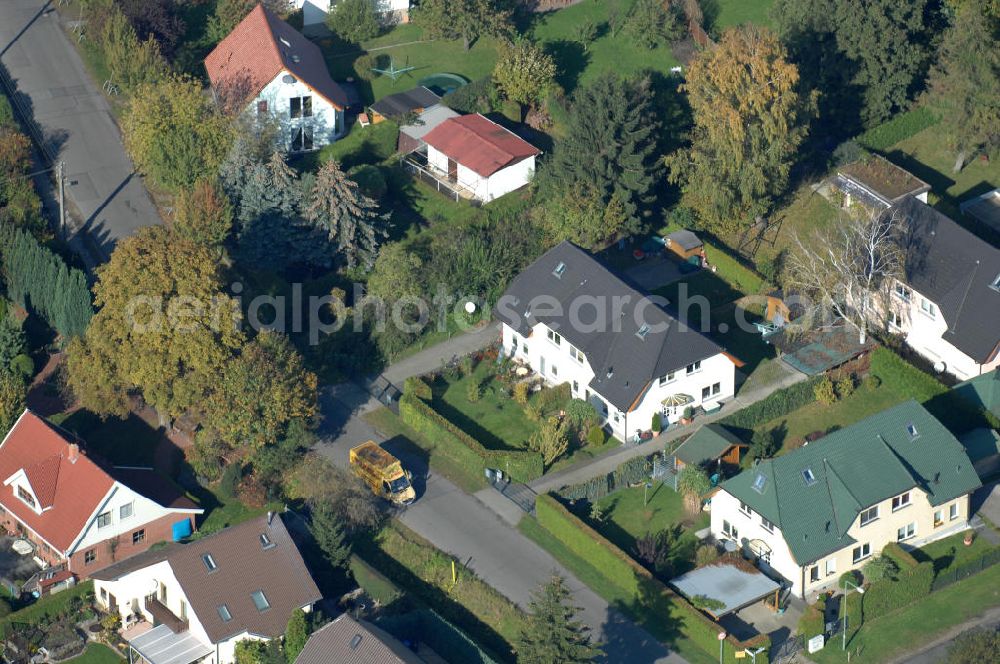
(445, 183)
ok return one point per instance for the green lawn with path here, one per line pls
(96, 653)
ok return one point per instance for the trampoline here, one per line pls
(443, 83)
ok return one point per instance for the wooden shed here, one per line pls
(684, 243)
(712, 443)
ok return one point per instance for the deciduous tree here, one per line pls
(749, 118)
(174, 133)
(296, 635)
(228, 13)
(13, 391)
(203, 214)
(164, 327)
(551, 440)
(654, 22)
(583, 218)
(463, 19)
(552, 632)
(964, 86)
(354, 20)
(315, 480)
(397, 273)
(524, 72)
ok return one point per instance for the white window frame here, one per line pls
(900, 501)
(693, 368)
(866, 552)
(928, 308)
(766, 525)
(953, 511)
(575, 353)
(730, 530)
(895, 320)
(903, 292)
(865, 518)
(669, 378)
(745, 509)
(938, 518)
(131, 511)
(554, 337)
(909, 531)
(831, 566)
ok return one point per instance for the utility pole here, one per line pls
(60, 176)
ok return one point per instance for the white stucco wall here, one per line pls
(315, 11)
(327, 121)
(923, 333)
(883, 530)
(486, 189)
(557, 365)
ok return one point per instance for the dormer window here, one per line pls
(210, 563)
(265, 542)
(560, 269)
(26, 496)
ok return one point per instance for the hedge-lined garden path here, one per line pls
(607, 462)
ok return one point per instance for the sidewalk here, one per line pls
(431, 359)
(607, 462)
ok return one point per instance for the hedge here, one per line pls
(898, 128)
(427, 626)
(883, 597)
(776, 405)
(651, 596)
(47, 607)
(628, 472)
(522, 466)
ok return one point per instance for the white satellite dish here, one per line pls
(940, 367)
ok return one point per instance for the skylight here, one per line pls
(209, 561)
(260, 600)
(558, 272)
(224, 613)
(911, 429)
(996, 282)
(643, 331)
(808, 476)
(265, 541)
(759, 482)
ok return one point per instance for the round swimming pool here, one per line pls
(443, 83)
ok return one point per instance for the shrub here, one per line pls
(467, 365)
(898, 128)
(851, 576)
(776, 405)
(473, 390)
(596, 436)
(370, 180)
(887, 595)
(521, 391)
(657, 424)
(882, 568)
(706, 554)
(825, 391)
(845, 387)
(480, 96)
(533, 412)
(581, 415)
(551, 440)
(418, 387)
(354, 20)
(552, 399)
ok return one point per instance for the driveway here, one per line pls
(76, 124)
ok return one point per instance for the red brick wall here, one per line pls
(160, 530)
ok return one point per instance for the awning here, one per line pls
(732, 586)
(161, 646)
(678, 400)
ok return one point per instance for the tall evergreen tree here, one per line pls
(553, 634)
(351, 220)
(609, 145)
(329, 533)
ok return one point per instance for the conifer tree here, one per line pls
(553, 634)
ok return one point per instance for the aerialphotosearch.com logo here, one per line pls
(321, 315)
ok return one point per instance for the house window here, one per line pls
(576, 387)
(616, 416)
(861, 552)
(262, 107)
(730, 530)
(767, 525)
(895, 320)
(928, 307)
(554, 337)
(669, 378)
(996, 283)
(139, 536)
(104, 519)
(642, 331)
(300, 107)
(25, 496)
(759, 483)
(90, 556)
(901, 501)
(902, 292)
(125, 511)
(104, 594)
(869, 515)
(693, 368)
(260, 600)
(938, 518)
(745, 509)
(302, 139)
(555, 370)
(906, 532)
(558, 272)
(809, 477)
(831, 566)
(576, 354)
(224, 613)
(210, 563)
(953, 512)
(814, 574)
(710, 391)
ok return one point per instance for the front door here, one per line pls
(452, 171)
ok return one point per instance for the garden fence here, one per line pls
(960, 572)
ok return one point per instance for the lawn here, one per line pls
(381, 589)
(951, 552)
(738, 12)
(866, 400)
(222, 511)
(495, 420)
(807, 214)
(96, 653)
(909, 628)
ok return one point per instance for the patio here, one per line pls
(16, 568)
(416, 163)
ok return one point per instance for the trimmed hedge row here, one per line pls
(627, 472)
(898, 128)
(883, 597)
(522, 466)
(652, 596)
(776, 405)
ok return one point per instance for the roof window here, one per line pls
(265, 542)
(210, 563)
(224, 613)
(809, 477)
(996, 283)
(643, 331)
(911, 429)
(260, 600)
(759, 483)
(560, 269)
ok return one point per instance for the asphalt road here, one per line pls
(76, 123)
(461, 525)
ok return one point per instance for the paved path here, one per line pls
(431, 358)
(76, 123)
(607, 462)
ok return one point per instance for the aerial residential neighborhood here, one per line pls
(496, 331)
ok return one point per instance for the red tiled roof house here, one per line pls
(267, 70)
(80, 515)
(480, 156)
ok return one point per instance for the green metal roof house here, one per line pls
(982, 391)
(812, 514)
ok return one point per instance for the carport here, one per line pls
(733, 586)
(161, 645)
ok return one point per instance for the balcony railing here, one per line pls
(416, 163)
(164, 616)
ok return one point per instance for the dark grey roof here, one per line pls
(686, 239)
(624, 362)
(401, 103)
(955, 269)
(350, 641)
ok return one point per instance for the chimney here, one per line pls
(74, 452)
(270, 516)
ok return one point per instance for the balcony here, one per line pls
(164, 616)
(416, 164)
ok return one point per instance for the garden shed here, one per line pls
(684, 243)
(712, 443)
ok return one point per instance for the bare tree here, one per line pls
(852, 268)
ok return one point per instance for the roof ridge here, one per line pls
(965, 295)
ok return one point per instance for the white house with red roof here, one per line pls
(482, 158)
(314, 11)
(80, 515)
(274, 74)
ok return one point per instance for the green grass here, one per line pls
(910, 628)
(738, 12)
(362, 145)
(96, 653)
(495, 420)
(438, 459)
(951, 552)
(222, 511)
(608, 53)
(381, 589)
(866, 400)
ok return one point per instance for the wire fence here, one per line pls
(948, 577)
